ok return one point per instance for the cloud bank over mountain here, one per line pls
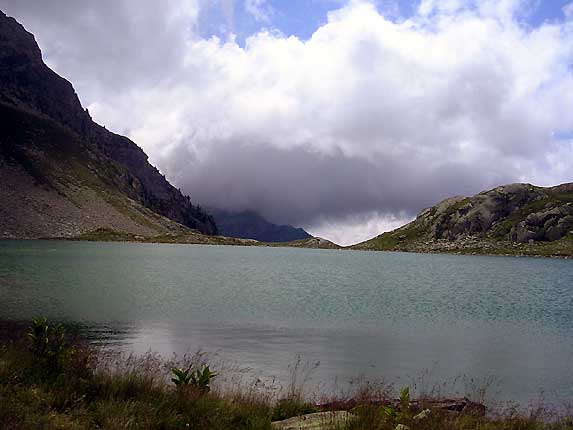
(355, 129)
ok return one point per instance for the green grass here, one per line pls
(106, 235)
(395, 240)
(384, 242)
(182, 236)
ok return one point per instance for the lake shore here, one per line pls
(562, 250)
(51, 379)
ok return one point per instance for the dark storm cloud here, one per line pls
(294, 185)
(353, 130)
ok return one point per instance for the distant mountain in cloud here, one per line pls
(250, 225)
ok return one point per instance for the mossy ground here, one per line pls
(180, 236)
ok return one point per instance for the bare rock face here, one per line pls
(28, 85)
(27, 82)
(550, 224)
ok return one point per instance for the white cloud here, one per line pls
(428, 7)
(568, 10)
(367, 120)
(259, 9)
(357, 228)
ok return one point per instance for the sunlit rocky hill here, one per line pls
(511, 219)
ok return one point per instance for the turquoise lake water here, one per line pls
(397, 316)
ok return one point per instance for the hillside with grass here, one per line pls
(63, 175)
(516, 219)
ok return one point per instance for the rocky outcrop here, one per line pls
(500, 220)
(312, 242)
(34, 93)
(317, 421)
(475, 216)
(553, 222)
(422, 410)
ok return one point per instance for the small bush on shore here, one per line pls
(198, 378)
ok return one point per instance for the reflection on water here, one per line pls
(395, 355)
(392, 316)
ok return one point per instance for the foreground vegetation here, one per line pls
(50, 380)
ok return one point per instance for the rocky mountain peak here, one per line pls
(26, 83)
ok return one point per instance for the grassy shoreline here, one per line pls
(562, 249)
(541, 251)
(50, 379)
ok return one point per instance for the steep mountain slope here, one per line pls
(61, 174)
(250, 225)
(511, 219)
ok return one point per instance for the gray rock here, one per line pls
(317, 421)
(426, 413)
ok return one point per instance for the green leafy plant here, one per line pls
(405, 399)
(390, 412)
(196, 378)
(181, 377)
(48, 345)
(402, 413)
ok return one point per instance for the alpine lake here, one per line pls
(457, 322)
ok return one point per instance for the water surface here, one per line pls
(390, 315)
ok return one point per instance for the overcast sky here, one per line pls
(343, 117)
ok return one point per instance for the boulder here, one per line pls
(462, 406)
(318, 421)
(426, 413)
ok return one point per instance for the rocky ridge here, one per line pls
(511, 219)
(312, 242)
(63, 174)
